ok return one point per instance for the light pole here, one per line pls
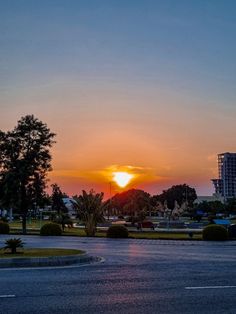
(109, 207)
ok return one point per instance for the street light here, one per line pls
(109, 207)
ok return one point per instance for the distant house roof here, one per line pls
(208, 198)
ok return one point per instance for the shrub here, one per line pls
(4, 219)
(214, 233)
(13, 244)
(50, 229)
(64, 220)
(4, 228)
(117, 231)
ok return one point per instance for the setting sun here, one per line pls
(122, 178)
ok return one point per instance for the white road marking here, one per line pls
(7, 296)
(209, 287)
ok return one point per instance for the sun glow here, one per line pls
(122, 178)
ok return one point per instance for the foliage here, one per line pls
(230, 206)
(4, 219)
(214, 233)
(211, 219)
(24, 162)
(13, 244)
(133, 219)
(132, 202)
(64, 220)
(51, 229)
(142, 215)
(57, 199)
(211, 207)
(4, 227)
(90, 210)
(117, 231)
(180, 193)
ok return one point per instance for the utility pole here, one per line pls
(186, 197)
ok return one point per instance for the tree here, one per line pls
(13, 244)
(132, 202)
(177, 193)
(90, 210)
(230, 206)
(25, 160)
(59, 206)
(57, 200)
(211, 207)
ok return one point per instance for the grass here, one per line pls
(34, 224)
(164, 236)
(133, 235)
(77, 232)
(139, 235)
(23, 253)
(33, 229)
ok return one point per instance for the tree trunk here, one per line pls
(90, 228)
(24, 230)
(63, 226)
(23, 207)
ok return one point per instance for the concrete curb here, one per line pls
(47, 261)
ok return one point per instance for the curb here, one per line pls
(47, 261)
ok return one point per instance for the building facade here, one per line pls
(225, 185)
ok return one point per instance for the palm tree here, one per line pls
(91, 210)
(13, 244)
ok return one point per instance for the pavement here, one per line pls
(137, 276)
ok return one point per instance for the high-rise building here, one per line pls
(225, 185)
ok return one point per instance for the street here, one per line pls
(136, 276)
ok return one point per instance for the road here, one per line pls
(137, 276)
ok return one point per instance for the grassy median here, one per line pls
(15, 228)
(35, 252)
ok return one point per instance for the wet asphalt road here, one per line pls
(137, 276)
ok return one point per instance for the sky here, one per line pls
(144, 86)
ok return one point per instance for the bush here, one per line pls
(4, 228)
(51, 229)
(64, 220)
(117, 232)
(4, 219)
(214, 233)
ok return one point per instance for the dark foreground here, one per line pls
(137, 276)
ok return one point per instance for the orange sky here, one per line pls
(162, 138)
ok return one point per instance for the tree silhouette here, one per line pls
(57, 199)
(132, 202)
(25, 160)
(90, 210)
(180, 193)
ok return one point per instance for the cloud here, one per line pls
(141, 175)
